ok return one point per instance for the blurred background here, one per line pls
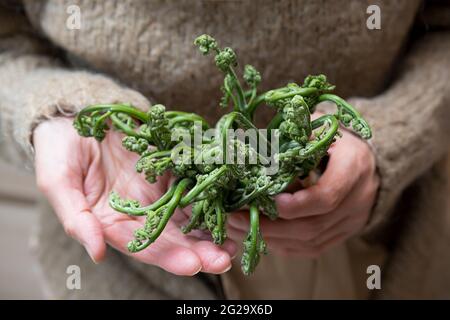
(19, 272)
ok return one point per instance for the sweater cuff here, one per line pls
(404, 145)
(47, 93)
(386, 197)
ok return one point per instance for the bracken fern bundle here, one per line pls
(217, 188)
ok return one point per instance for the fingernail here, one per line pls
(227, 269)
(91, 255)
(199, 269)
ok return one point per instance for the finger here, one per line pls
(173, 251)
(304, 249)
(199, 239)
(235, 234)
(291, 248)
(200, 235)
(320, 249)
(164, 253)
(304, 229)
(214, 259)
(77, 219)
(351, 215)
(325, 196)
(348, 225)
(310, 228)
(230, 247)
(239, 219)
(342, 226)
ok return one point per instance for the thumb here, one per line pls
(73, 211)
(59, 177)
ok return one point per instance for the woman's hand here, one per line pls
(336, 207)
(77, 174)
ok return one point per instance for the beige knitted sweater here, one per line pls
(124, 47)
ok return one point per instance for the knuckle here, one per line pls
(330, 198)
(206, 265)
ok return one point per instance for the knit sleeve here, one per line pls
(35, 85)
(410, 122)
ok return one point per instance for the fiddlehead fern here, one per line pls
(217, 188)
